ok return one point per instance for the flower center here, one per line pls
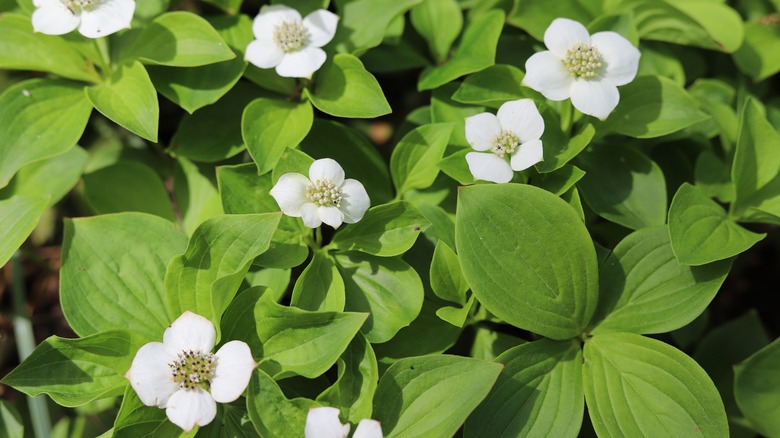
(193, 369)
(584, 61)
(76, 6)
(324, 193)
(505, 144)
(290, 36)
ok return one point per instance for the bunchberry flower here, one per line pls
(324, 423)
(507, 141)
(586, 68)
(325, 196)
(181, 375)
(93, 18)
(289, 43)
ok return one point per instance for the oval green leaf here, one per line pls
(344, 88)
(270, 126)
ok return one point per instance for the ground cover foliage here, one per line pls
(399, 218)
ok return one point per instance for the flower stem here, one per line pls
(105, 57)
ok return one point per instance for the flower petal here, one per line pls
(354, 200)
(620, 56)
(327, 169)
(234, 368)
(190, 331)
(321, 25)
(271, 16)
(324, 423)
(368, 429)
(309, 215)
(331, 216)
(545, 73)
(563, 33)
(481, 129)
(110, 16)
(290, 193)
(527, 155)
(301, 64)
(264, 54)
(150, 376)
(190, 408)
(489, 167)
(522, 118)
(54, 18)
(595, 98)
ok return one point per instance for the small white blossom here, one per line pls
(181, 375)
(324, 423)
(93, 18)
(587, 68)
(507, 141)
(289, 43)
(325, 196)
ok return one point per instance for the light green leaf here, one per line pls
(270, 126)
(447, 280)
(320, 286)
(271, 412)
(538, 393)
(52, 177)
(534, 16)
(135, 419)
(431, 395)
(517, 270)
(413, 162)
(344, 88)
(358, 375)
(456, 167)
(757, 55)
(637, 386)
(19, 216)
(559, 181)
(128, 186)
(195, 190)
(493, 86)
(439, 22)
(559, 148)
(363, 23)
(757, 389)
(11, 425)
(445, 110)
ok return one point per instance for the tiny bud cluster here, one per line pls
(193, 369)
(584, 61)
(290, 36)
(324, 193)
(505, 143)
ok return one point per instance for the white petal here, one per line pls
(331, 216)
(481, 129)
(109, 17)
(309, 215)
(545, 73)
(527, 155)
(54, 18)
(290, 193)
(321, 25)
(522, 118)
(621, 57)
(489, 167)
(563, 33)
(234, 368)
(301, 64)
(150, 376)
(595, 98)
(368, 429)
(271, 16)
(327, 169)
(190, 408)
(264, 53)
(324, 423)
(190, 331)
(354, 200)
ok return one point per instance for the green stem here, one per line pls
(105, 57)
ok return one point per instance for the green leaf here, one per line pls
(271, 126)
(344, 88)
(74, 372)
(560, 181)
(128, 186)
(757, 55)
(363, 23)
(637, 386)
(320, 286)
(135, 419)
(505, 243)
(701, 232)
(358, 374)
(195, 191)
(439, 22)
(447, 280)
(112, 273)
(38, 52)
(538, 393)
(431, 395)
(39, 118)
(229, 6)
(129, 99)
(385, 287)
(534, 16)
(413, 163)
(19, 216)
(445, 110)
(652, 106)
(477, 50)
(757, 389)
(493, 86)
(559, 148)
(644, 289)
(11, 425)
(179, 39)
(206, 277)
(386, 230)
(622, 185)
(456, 167)
(52, 177)
(271, 412)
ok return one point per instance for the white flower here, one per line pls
(292, 45)
(324, 423)
(587, 68)
(93, 18)
(177, 373)
(513, 134)
(325, 196)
